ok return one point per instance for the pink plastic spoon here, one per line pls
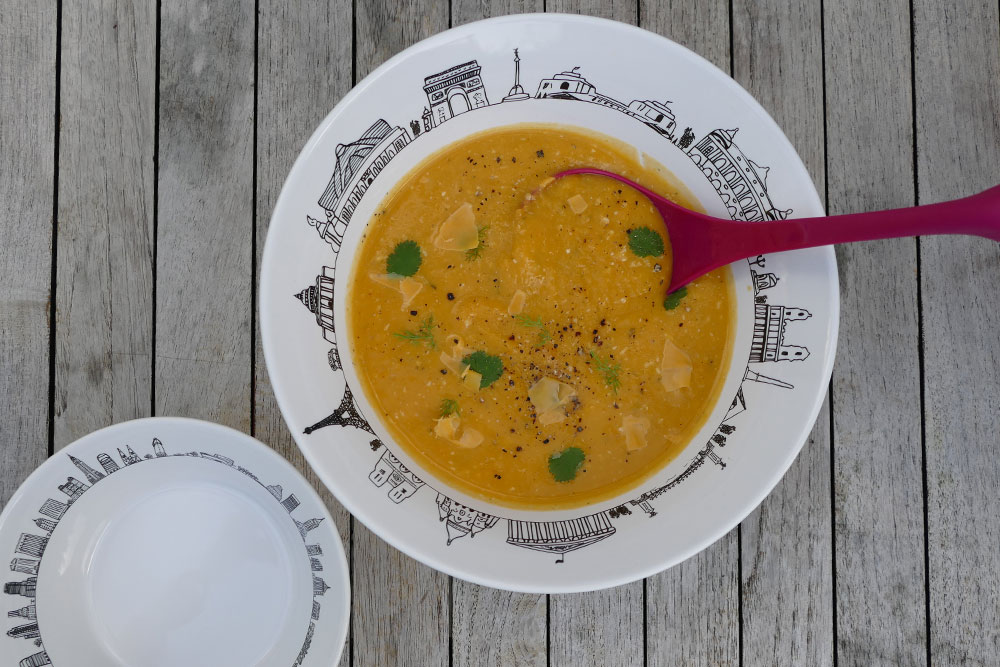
(702, 243)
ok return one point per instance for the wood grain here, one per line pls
(27, 137)
(304, 63)
(786, 544)
(878, 486)
(702, 26)
(489, 626)
(104, 292)
(205, 206)
(401, 607)
(958, 153)
(603, 627)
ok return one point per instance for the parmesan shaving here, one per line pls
(551, 417)
(577, 204)
(635, 430)
(470, 438)
(458, 231)
(472, 379)
(446, 427)
(387, 279)
(516, 304)
(675, 367)
(550, 398)
(453, 364)
(409, 288)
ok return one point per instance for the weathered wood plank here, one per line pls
(603, 627)
(702, 26)
(203, 264)
(27, 137)
(958, 153)
(104, 293)
(489, 626)
(304, 61)
(692, 610)
(401, 607)
(787, 581)
(878, 486)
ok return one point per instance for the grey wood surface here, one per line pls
(27, 187)
(878, 509)
(107, 152)
(957, 70)
(133, 228)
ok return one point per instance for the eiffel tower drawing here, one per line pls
(346, 414)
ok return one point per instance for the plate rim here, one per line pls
(304, 488)
(356, 508)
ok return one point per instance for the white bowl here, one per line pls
(604, 76)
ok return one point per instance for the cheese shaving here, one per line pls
(516, 304)
(470, 438)
(454, 364)
(409, 288)
(577, 204)
(550, 398)
(387, 279)
(472, 379)
(447, 428)
(635, 430)
(675, 367)
(458, 231)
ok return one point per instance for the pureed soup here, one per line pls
(514, 332)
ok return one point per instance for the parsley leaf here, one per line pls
(645, 242)
(489, 366)
(674, 298)
(608, 370)
(449, 406)
(564, 465)
(425, 334)
(404, 260)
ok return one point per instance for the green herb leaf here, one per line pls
(425, 334)
(449, 406)
(608, 370)
(404, 260)
(474, 253)
(489, 366)
(645, 242)
(674, 298)
(535, 323)
(565, 464)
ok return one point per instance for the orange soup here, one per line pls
(514, 332)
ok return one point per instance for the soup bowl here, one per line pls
(577, 72)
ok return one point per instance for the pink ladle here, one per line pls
(702, 243)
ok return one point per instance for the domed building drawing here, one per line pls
(768, 342)
(740, 182)
(461, 520)
(318, 300)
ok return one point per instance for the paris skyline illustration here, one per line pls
(740, 183)
(30, 547)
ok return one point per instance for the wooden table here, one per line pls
(143, 147)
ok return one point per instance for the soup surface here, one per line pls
(514, 333)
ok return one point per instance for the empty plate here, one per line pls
(168, 542)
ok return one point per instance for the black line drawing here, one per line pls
(461, 520)
(30, 548)
(346, 414)
(452, 92)
(402, 482)
(559, 537)
(740, 182)
(762, 281)
(768, 342)
(517, 93)
(571, 85)
(754, 376)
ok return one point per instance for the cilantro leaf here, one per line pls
(404, 260)
(645, 242)
(674, 298)
(564, 465)
(489, 366)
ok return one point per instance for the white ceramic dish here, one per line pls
(164, 542)
(603, 76)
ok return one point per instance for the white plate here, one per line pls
(584, 72)
(171, 542)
